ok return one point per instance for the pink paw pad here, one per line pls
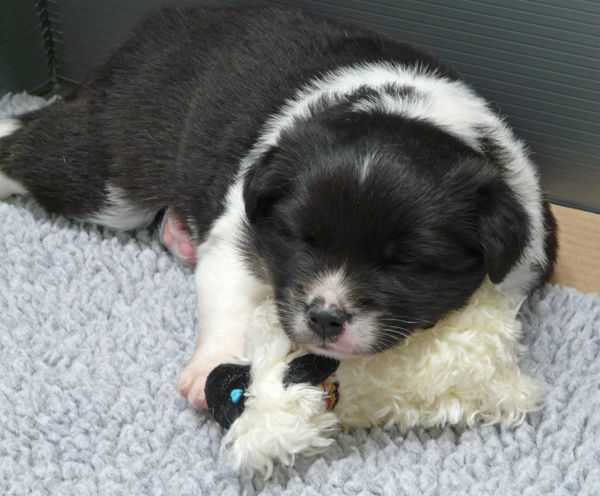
(191, 387)
(176, 238)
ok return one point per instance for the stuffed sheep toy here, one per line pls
(279, 401)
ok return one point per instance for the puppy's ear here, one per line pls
(503, 229)
(265, 182)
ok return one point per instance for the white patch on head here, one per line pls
(8, 126)
(330, 298)
(366, 167)
(451, 105)
(9, 187)
(331, 289)
(121, 214)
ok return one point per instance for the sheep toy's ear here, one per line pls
(225, 392)
(312, 369)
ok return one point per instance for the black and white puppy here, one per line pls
(356, 178)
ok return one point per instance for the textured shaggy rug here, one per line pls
(95, 327)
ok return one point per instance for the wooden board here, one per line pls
(579, 249)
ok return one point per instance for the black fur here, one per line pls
(179, 103)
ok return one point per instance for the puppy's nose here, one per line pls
(326, 321)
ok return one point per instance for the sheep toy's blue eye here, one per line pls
(225, 392)
(236, 394)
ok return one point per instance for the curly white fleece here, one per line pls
(463, 370)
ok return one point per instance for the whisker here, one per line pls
(284, 309)
(391, 343)
(407, 321)
(284, 304)
(386, 344)
(396, 329)
(390, 335)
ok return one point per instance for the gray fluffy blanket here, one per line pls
(95, 327)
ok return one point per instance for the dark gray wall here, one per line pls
(23, 62)
(538, 61)
(89, 28)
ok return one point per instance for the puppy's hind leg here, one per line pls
(54, 155)
(176, 237)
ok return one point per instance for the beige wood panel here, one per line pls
(579, 249)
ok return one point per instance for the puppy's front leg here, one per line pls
(227, 295)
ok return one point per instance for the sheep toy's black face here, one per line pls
(228, 384)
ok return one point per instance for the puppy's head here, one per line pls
(369, 227)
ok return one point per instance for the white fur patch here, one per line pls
(8, 126)
(9, 187)
(365, 168)
(227, 293)
(452, 105)
(121, 214)
(331, 288)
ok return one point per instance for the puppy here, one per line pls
(355, 178)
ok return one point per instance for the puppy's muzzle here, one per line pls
(326, 321)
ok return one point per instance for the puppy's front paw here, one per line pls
(191, 384)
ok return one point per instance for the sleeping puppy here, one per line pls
(353, 177)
